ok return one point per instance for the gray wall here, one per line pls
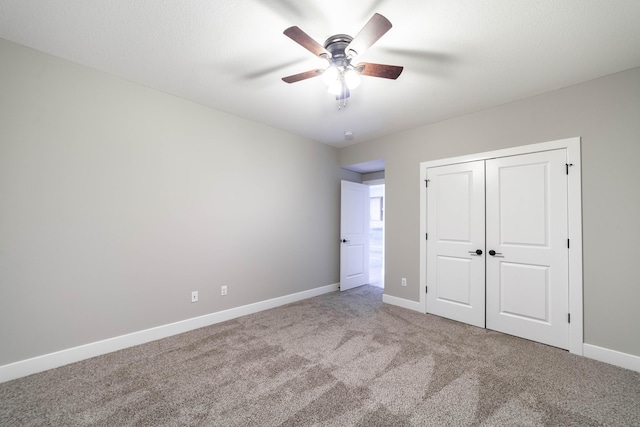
(606, 114)
(116, 201)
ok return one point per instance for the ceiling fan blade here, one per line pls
(303, 76)
(379, 70)
(377, 26)
(304, 40)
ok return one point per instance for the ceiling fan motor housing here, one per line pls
(336, 46)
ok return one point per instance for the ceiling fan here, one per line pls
(340, 50)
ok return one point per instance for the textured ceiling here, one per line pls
(459, 56)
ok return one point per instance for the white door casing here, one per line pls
(455, 247)
(527, 278)
(354, 235)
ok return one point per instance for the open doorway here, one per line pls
(376, 235)
(372, 173)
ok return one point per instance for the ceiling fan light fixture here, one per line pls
(336, 88)
(352, 78)
(330, 75)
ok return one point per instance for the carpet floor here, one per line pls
(340, 359)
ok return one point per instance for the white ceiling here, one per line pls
(459, 56)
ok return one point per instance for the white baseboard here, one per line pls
(37, 364)
(401, 302)
(613, 357)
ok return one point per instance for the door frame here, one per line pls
(574, 217)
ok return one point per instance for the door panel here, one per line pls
(522, 198)
(524, 291)
(354, 231)
(454, 280)
(355, 257)
(526, 225)
(455, 227)
(454, 197)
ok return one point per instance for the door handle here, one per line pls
(496, 254)
(345, 241)
(477, 252)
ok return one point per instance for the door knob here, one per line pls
(496, 254)
(476, 252)
(345, 241)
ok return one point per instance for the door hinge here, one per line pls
(567, 165)
(567, 243)
(426, 183)
(569, 317)
(426, 236)
(426, 289)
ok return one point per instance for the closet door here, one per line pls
(455, 243)
(527, 254)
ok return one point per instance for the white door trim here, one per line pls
(572, 145)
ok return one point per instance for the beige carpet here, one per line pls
(339, 359)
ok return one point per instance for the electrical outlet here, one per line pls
(223, 290)
(404, 281)
(194, 296)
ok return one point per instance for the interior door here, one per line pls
(354, 235)
(456, 242)
(527, 272)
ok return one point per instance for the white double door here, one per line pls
(497, 253)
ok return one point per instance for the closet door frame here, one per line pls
(574, 198)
